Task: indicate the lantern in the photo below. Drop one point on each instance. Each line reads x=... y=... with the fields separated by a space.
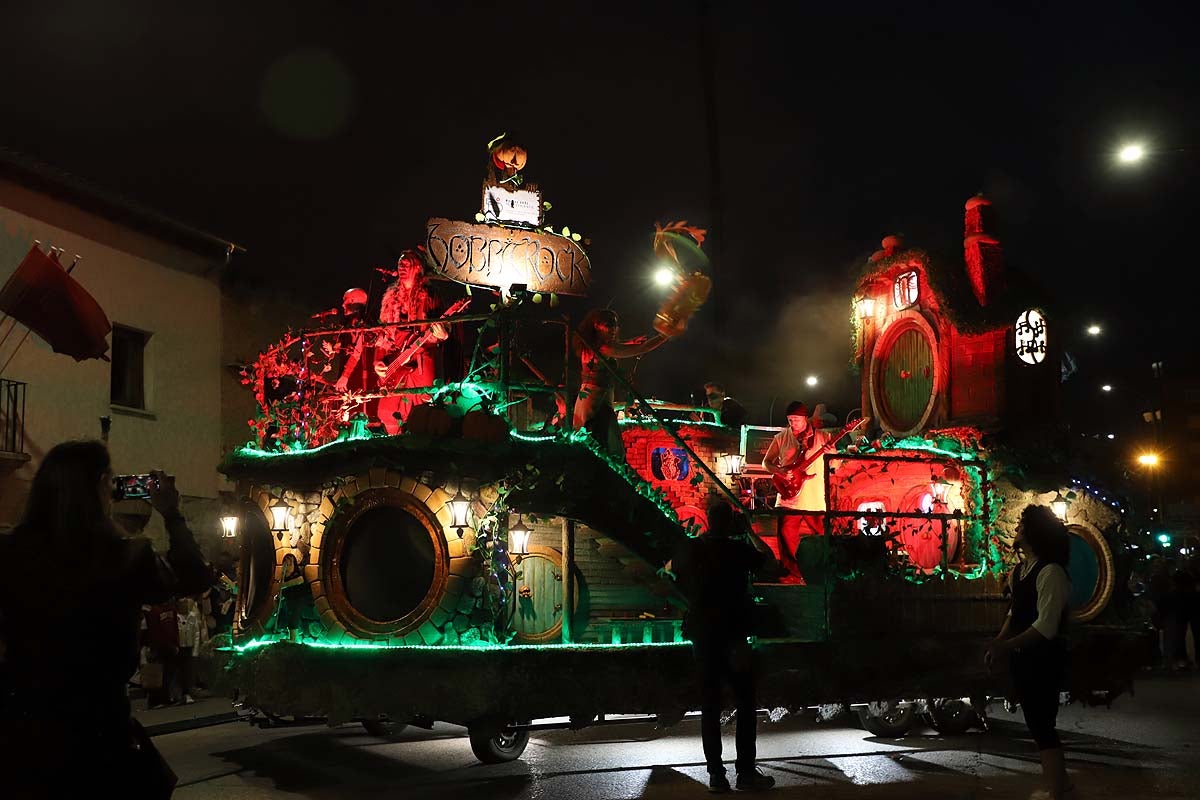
x=866 y=307
x=1059 y=506
x=731 y=463
x=281 y=514
x=518 y=538
x=937 y=489
x=229 y=526
x=460 y=508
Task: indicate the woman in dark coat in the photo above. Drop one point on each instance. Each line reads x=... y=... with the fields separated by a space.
x=1033 y=635
x=70 y=614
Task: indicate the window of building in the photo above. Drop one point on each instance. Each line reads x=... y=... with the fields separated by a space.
x=872 y=526
x=129 y=367
x=904 y=292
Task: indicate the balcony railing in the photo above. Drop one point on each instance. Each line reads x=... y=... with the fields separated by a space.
x=12 y=416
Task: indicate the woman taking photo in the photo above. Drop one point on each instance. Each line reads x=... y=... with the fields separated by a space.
x=70 y=613
x=1033 y=635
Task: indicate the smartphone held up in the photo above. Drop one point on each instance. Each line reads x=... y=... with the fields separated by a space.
x=132 y=487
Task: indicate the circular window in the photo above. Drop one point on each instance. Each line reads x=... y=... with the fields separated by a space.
x=904 y=376
x=386 y=564
x=1091 y=570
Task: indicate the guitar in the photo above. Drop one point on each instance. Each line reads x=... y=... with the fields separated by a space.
x=796 y=473
x=396 y=367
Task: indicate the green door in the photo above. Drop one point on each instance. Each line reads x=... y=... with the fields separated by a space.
x=537 y=604
x=906 y=375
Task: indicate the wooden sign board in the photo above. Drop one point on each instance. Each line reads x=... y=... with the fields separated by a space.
x=495 y=256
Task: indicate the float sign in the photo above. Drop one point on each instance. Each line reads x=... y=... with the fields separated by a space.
x=498 y=257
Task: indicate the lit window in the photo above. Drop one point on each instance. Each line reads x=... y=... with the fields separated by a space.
x=1029 y=337
x=128 y=367
x=904 y=292
x=872 y=526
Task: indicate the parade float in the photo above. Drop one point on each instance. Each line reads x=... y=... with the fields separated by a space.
x=489 y=566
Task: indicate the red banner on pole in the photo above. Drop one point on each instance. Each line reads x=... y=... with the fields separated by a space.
x=44 y=298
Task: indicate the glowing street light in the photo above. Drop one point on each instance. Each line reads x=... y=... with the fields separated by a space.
x=664 y=276
x=1094 y=330
x=1106 y=388
x=1131 y=153
x=229 y=525
x=1148 y=459
x=811 y=380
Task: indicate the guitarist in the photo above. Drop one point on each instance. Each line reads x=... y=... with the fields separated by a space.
x=800 y=440
x=405 y=300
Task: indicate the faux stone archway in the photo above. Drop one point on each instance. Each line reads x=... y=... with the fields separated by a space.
x=446 y=616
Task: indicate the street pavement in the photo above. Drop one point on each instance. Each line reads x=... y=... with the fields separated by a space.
x=1145 y=746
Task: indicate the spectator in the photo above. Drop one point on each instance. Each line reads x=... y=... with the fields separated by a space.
x=190 y=636
x=65 y=718
x=161 y=638
x=714 y=573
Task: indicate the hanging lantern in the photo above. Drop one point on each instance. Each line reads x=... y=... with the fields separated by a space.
x=229 y=526
x=937 y=489
x=281 y=514
x=518 y=538
x=460 y=508
x=866 y=307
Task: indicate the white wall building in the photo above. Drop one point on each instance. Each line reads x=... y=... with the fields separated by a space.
x=157 y=281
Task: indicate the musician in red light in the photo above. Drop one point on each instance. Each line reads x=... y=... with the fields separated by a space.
x=795 y=444
x=406 y=300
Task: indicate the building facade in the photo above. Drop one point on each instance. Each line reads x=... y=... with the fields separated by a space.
x=161 y=392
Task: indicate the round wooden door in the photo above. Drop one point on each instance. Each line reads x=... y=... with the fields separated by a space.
x=907 y=378
x=536 y=604
x=922 y=540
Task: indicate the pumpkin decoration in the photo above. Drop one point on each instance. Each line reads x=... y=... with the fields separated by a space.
x=507 y=160
x=429 y=419
x=484 y=426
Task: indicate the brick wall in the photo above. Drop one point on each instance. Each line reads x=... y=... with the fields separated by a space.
x=705 y=440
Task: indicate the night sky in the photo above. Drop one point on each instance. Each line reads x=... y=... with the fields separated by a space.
x=321 y=136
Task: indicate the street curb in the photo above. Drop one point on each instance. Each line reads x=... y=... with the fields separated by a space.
x=163 y=728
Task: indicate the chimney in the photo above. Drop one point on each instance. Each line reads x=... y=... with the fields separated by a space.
x=985 y=260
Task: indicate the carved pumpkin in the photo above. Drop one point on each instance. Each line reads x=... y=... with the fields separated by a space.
x=509 y=157
x=430 y=420
x=485 y=427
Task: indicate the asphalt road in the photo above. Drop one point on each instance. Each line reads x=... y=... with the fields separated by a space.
x=1144 y=746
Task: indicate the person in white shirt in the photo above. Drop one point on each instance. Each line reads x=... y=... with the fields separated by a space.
x=1033 y=635
x=800 y=440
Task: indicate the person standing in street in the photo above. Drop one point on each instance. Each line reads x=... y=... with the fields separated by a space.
x=714 y=572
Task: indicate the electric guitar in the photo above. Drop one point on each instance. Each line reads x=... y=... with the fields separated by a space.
x=796 y=473
x=396 y=368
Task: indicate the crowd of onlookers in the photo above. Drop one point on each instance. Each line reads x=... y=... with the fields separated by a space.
x=178 y=638
x=1175 y=603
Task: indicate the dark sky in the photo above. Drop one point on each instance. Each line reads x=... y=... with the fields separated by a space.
x=322 y=135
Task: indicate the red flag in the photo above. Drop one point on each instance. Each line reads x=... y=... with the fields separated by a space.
x=44 y=298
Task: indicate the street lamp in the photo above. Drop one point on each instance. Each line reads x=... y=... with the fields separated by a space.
x=1060 y=504
x=1106 y=387
x=1148 y=459
x=1094 y=330
x=1131 y=153
x=665 y=276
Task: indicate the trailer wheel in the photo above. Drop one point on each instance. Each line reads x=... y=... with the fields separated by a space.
x=887 y=718
x=492 y=747
x=383 y=727
x=950 y=717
